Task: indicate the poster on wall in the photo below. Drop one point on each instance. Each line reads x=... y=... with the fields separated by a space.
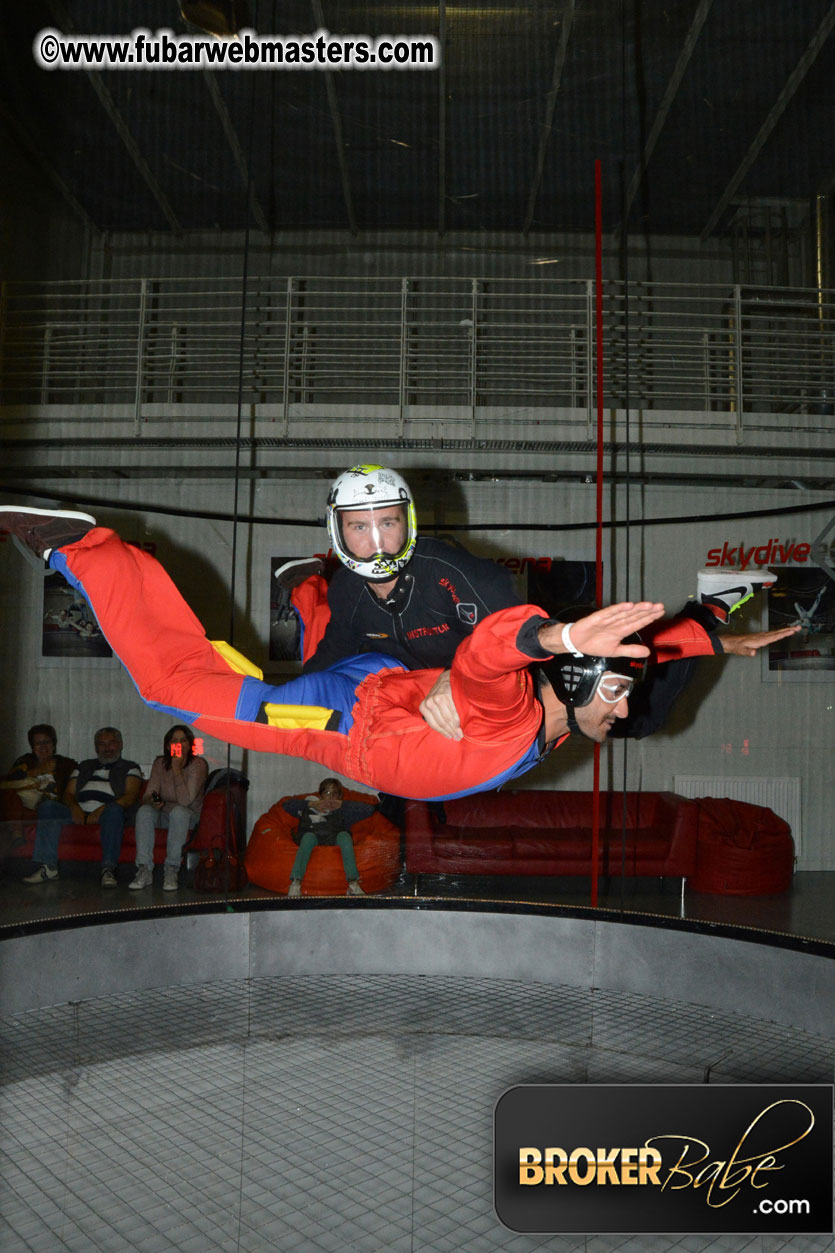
x=806 y=596
x=69 y=628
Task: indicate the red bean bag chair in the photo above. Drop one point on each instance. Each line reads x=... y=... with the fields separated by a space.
x=741 y=849
x=272 y=850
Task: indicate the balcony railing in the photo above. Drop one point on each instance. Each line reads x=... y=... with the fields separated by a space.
x=484 y=347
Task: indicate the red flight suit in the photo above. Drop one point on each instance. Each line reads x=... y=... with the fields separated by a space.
x=389 y=747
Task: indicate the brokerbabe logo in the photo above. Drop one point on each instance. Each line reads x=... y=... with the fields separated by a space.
x=687 y=1158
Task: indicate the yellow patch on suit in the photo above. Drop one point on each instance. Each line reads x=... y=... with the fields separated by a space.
x=235 y=660
x=298 y=717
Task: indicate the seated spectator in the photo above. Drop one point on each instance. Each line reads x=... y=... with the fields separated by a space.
x=103 y=789
x=173 y=799
x=38 y=775
x=326 y=819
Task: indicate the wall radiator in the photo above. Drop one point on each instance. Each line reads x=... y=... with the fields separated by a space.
x=781 y=795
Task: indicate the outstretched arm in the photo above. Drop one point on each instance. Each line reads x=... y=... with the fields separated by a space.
x=749 y=645
x=601 y=633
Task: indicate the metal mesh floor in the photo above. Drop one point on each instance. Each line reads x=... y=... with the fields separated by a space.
x=329 y=1112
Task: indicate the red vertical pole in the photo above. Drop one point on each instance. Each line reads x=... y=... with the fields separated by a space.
x=598 y=551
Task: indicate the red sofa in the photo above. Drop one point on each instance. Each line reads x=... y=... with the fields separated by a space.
x=82 y=843
x=549 y=833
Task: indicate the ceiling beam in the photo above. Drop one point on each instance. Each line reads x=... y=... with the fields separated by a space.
x=690 y=41
x=24 y=136
x=776 y=112
x=210 y=79
x=691 y=478
x=550 y=106
x=336 y=118
x=94 y=78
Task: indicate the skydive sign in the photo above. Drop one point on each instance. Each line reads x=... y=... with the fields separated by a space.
x=683 y=1158
x=773 y=552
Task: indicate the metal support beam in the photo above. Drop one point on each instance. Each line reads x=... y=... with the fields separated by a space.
x=820 y=553
x=94 y=78
x=778 y=108
x=442 y=119
x=453 y=458
x=210 y=79
x=550 y=106
x=336 y=118
x=691 y=39
x=403 y=382
x=140 y=356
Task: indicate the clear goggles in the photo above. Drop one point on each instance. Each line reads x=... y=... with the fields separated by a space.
x=612 y=688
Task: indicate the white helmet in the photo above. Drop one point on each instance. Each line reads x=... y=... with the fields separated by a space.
x=371 y=488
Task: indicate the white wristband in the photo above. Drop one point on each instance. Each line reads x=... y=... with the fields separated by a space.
x=568 y=643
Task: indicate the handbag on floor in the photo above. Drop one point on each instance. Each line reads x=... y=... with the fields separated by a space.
x=219 y=871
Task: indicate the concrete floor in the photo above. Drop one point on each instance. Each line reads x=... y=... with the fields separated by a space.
x=805 y=912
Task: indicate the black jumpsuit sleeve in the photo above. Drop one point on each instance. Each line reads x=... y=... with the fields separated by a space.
x=340 y=639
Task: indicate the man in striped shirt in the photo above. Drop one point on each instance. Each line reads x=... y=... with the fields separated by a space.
x=100 y=790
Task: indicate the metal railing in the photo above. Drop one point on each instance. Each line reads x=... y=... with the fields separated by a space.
x=416 y=344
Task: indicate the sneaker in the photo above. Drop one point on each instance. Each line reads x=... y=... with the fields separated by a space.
x=144 y=878
x=288 y=576
x=35 y=532
x=295 y=888
x=43 y=874
x=292 y=573
x=171 y=879
x=723 y=591
x=354 y=888
x=108 y=878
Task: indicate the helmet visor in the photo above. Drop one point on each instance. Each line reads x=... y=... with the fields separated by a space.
x=380 y=534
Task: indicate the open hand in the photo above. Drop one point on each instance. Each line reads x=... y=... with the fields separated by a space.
x=750 y=644
x=600 y=634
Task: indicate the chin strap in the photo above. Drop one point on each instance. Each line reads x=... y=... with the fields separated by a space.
x=574 y=726
x=542 y=677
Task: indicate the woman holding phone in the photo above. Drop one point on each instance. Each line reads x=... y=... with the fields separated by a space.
x=173 y=799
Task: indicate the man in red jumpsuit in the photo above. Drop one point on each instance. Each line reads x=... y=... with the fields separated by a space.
x=361 y=717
